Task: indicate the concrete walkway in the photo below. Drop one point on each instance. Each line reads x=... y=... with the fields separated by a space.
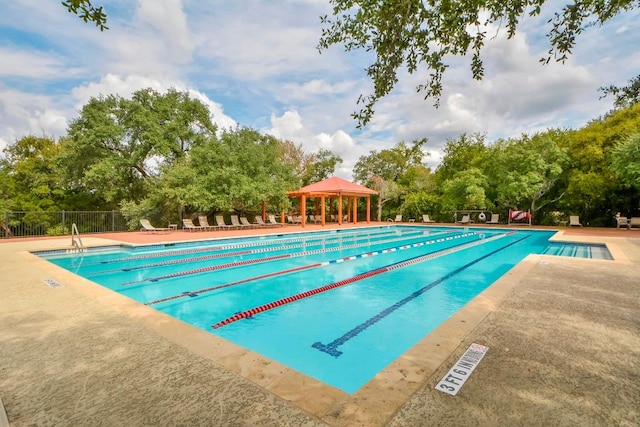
x=563 y=333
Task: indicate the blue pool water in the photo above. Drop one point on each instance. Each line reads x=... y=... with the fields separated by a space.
x=338 y=306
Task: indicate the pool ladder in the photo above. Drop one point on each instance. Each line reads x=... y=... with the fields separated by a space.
x=76 y=242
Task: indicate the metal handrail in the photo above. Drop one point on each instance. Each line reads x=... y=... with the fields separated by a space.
x=76 y=242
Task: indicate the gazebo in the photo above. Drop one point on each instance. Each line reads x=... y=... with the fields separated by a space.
x=334 y=188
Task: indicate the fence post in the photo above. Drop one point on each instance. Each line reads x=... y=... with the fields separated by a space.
x=113 y=221
x=63 y=219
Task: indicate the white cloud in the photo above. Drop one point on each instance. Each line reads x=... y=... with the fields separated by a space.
x=289 y=127
x=22 y=114
x=169 y=21
x=33 y=64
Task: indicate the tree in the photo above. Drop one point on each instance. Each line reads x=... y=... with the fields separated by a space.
x=239 y=171
x=87 y=12
x=319 y=166
x=385 y=171
x=625 y=96
x=30 y=168
x=117 y=145
x=411 y=33
x=524 y=170
x=466 y=190
x=468 y=151
x=625 y=161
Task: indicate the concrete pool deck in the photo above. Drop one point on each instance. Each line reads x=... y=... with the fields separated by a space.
x=563 y=337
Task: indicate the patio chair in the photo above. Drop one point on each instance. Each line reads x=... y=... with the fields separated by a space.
x=235 y=221
x=294 y=219
x=187 y=224
x=425 y=218
x=245 y=223
x=204 y=222
x=398 y=219
x=466 y=219
x=634 y=222
x=574 y=221
x=622 y=222
x=272 y=220
x=221 y=224
x=146 y=226
x=494 y=219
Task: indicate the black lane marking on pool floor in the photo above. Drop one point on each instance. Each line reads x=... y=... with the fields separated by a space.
x=332 y=347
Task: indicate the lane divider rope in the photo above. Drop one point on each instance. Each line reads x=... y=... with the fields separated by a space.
x=305 y=267
x=325 y=288
x=255 y=261
x=246 y=245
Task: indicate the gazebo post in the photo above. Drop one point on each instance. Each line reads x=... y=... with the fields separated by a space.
x=264 y=210
x=303 y=210
x=368 y=209
x=323 y=213
x=340 y=209
x=355 y=209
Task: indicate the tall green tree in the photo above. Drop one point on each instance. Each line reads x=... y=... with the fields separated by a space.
x=466 y=190
x=117 y=146
x=592 y=189
x=410 y=34
x=625 y=161
x=523 y=171
x=319 y=166
x=237 y=172
x=465 y=152
x=385 y=171
x=30 y=175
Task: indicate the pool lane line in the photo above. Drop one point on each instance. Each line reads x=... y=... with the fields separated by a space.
x=226 y=255
x=302 y=268
x=350 y=280
x=246 y=245
x=332 y=347
x=255 y=261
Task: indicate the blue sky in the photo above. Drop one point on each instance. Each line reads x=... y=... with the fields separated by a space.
x=255 y=64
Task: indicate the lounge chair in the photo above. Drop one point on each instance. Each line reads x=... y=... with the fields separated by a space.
x=272 y=220
x=261 y=223
x=465 y=220
x=146 y=226
x=574 y=221
x=398 y=219
x=235 y=221
x=204 y=222
x=221 y=224
x=425 y=218
x=245 y=223
x=294 y=219
x=494 y=219
x=634 y=222
x=188 y=225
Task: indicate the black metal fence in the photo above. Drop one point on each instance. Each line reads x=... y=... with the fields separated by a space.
x=58 y=223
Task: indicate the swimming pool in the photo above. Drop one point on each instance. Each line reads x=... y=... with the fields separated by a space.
x=338 y=306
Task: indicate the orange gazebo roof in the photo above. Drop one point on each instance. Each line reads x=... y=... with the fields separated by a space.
x=333 y=186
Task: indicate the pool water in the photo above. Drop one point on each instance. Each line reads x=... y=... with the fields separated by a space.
x=338 y=306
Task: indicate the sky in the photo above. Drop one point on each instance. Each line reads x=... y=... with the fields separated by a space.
x=255 y=63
